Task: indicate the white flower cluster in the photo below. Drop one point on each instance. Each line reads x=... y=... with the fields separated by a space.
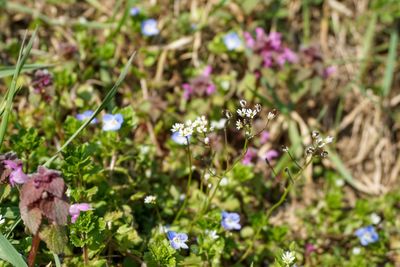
x=246 y=114
x=199 y=125
x=288 y=257
x=150 y=199
x=318 y=145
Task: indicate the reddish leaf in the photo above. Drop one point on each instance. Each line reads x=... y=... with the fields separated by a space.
x=56 y=187
x=32 y=218
x=30 y=193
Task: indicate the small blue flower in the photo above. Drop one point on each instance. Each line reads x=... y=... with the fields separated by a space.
x=85 y=116
x=149 y=27
x=232 y=41
x=112 y=122
x=134 y=11
x=230 y=221
x=177 y=240
x=180 y=140
x=367 y=235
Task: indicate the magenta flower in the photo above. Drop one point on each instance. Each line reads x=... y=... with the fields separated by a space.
x=270 y=48
x=271 y=154
x=329 y=71
x=75 y=210
x=264 y=137
x=249 y=156
x=17 y=176
x=200 y=86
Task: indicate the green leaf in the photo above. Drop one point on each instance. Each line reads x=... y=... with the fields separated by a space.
x=6 y=71
x=390 y=63
x=55 y=238
x=10 y=254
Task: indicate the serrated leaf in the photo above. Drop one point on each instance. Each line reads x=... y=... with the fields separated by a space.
x=55 y=238
x=32 y=218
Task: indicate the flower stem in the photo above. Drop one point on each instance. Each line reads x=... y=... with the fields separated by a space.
x=189 y=153
x=34 y=249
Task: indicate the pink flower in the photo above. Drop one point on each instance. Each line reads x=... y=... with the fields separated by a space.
x=275 y=41
x=75 y=210
x=200 y=85
x=271 y=154
x=329 y=71
x=249 y=40
x=17 y=176
x=264 y=137
x=248 y=157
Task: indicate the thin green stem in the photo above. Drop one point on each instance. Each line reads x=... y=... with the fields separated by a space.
x=189 y=153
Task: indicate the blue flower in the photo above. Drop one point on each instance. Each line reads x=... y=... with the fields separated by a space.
x=134 y=11
x=232 y=41
x=112 y=122
x=230 y=221
x=85 y=116
x=180 y=140
x=177 y=240
x=149 y=27
x=367 y=235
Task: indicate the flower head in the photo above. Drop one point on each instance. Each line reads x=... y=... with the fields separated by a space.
x=232 y=41
x=149 y=27
x=177 y=240
x=329 y=71
x=17 y=176
x=212 y=234
x=112 y=122
x=200 y=85
x=288 y=257
x=230 y=221
x=271 y=154
x=75 y=210
x=150 y=199
x=367 y=235
x=134 y=11
x=249 y=156
x=85 y=116
x=2 y=220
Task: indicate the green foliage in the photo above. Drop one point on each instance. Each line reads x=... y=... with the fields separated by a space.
x=160 y=253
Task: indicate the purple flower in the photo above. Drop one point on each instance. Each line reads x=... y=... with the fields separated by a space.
x=134 y=11
x=248 y=157
x=17 y=176
x=177 y=240
x=112 y=122
x=329 y=71
x=85 y=116
x=271 y=154
x=367 y=235
x=275 y=40
x=264 y=137
x=232 y=41
x=230 y=221
x=201 y=85
x=75 y=210
x=149 y=27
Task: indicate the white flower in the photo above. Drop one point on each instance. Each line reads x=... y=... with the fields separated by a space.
x=224 y=181
x=239 y=124
x=328 y=139
x=177 y=127
x=150 y=199
x=375 y=218
x=243 y=103
x=339 y=182
x=211 y=234
x=356 y=250
x=218 y=124
x=2 y=220
x=206 y=140
x=271 y=115
x=288 y=257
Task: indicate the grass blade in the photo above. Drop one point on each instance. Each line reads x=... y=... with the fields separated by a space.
x=10 y=254
x=22 y=57
x=6 y=71
x=57 y=260
x=390 y=63
x=103 y=104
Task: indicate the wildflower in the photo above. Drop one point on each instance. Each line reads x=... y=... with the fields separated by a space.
x=200 y=126
x=112 y=122
x=177 y=240
x=85 y=116
x=285 y=149
x=232 y=41
x=206 y=140
x=329 y=71
x=134 y=11
x=16 y=176
x=150 y=199
x=375 y=218
x=339 y=182
x=149 y=27
x=180 y=140
x=75 y=210
x=272 y=114
x=219 y=124
x=41 y=80
x=228 y=114
x=201 y=85
x=230 y=221
x=271 y=154
x=265 y=135
x=224 y=181
x=367 y=235
x=212 y=234
x=288 y=257
x=356 y=250
x=2 y=220
x=243 y=103
x=248 y=157
x=309 y=248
